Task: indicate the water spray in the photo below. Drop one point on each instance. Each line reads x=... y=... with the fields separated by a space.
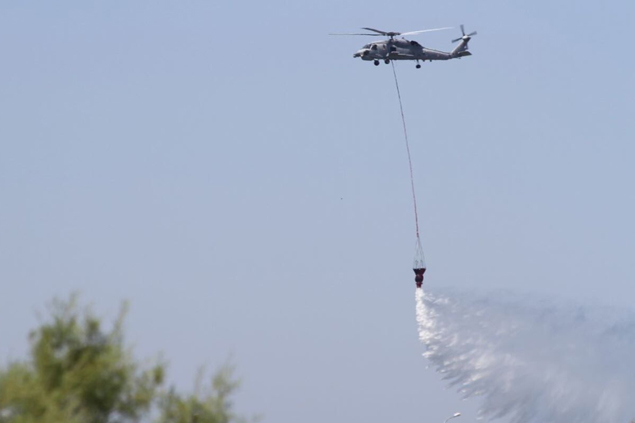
x=532 y=360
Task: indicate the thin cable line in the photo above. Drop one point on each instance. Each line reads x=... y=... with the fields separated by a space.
x=405 y=133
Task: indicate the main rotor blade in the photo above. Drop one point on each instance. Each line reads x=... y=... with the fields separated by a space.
x=462 y=30
x=472 y=34
x=458 y=39
x=370 y=35
x=425 y=30
x=377 y=31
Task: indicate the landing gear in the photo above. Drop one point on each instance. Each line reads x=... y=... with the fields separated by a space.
x=418 y=65
x=376 y=62
x=386 y=61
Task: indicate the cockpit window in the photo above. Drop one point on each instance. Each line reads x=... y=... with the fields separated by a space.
x=366 y=46
x=374 y=47
x=414 y=43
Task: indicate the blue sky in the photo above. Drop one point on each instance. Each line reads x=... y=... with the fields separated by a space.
x=231 y=170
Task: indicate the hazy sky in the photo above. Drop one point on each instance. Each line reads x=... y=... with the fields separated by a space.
x=231 y=170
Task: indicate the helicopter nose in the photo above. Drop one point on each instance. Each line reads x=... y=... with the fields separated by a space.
x=358 y=54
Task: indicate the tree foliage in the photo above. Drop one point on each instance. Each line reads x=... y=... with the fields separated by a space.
x=207 y=405
x=78 y=372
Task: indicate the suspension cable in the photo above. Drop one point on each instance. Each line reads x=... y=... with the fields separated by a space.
x=405 y=133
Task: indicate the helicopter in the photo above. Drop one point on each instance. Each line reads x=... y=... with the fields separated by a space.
x=402 y=49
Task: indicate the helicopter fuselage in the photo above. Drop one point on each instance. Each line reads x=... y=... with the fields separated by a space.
x=402 y=49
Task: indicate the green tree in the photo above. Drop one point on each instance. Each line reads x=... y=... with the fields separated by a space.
x=208 y=404
x=77 y=372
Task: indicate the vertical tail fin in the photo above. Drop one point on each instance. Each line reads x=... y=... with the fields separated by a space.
x=461 y=49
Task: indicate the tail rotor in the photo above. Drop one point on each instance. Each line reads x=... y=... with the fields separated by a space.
x=465 y=37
